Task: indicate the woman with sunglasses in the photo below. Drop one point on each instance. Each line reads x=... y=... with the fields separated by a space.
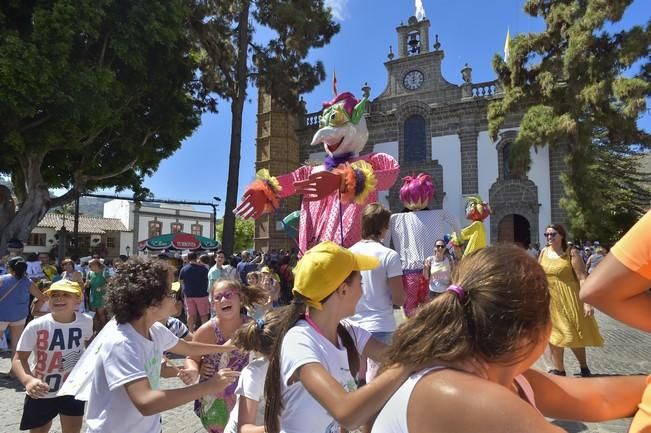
x=437 y=269
x=229 y=298
x=573 y=322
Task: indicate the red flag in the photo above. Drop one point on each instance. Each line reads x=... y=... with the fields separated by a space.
x=334 y=82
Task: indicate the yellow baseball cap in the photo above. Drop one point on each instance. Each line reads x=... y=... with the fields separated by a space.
x=64 y=286
x=176 y=286
x=324 y=268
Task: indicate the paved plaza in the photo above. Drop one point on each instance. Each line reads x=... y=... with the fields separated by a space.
x=626 y=352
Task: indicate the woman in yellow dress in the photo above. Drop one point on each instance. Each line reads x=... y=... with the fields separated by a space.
x=573 y=322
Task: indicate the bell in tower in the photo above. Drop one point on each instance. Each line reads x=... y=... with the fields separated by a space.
x=414 y=43
x=413 y=38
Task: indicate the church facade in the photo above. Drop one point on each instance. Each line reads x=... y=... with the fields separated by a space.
x=429 y=125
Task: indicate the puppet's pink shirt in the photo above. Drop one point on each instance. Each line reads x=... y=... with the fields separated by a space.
x=321 y=220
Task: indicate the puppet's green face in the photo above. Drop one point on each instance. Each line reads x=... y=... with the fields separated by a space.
x=334 y=116
x=340 y=131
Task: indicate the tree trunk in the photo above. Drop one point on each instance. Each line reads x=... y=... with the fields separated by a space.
x=237 y=108
x=31 y=211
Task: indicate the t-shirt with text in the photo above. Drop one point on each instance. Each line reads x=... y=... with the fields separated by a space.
x=56 y=347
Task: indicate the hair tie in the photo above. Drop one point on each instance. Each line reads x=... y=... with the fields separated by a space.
x=458 y=290
x=259 y=324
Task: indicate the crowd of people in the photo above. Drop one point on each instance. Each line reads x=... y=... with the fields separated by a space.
x=272 y=344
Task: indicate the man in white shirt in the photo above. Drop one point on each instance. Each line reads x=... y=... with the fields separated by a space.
x=382 y=287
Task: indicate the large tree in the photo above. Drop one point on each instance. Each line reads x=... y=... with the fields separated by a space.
x=584 y=88
x=93 y=94
x=232 y=59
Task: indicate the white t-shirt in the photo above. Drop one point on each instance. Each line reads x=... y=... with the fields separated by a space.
x=439 y=274
x=56 y=347
x=304 y=345
x=251 y=386
x=374 y=310
x=125 y=356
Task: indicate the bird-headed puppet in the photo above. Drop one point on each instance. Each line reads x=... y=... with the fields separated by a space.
x=334 y=193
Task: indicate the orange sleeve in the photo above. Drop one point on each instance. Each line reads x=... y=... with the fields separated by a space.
x=634 y=249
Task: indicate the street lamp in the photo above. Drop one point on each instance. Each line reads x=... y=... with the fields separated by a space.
x=214 y=217
x=128 y=248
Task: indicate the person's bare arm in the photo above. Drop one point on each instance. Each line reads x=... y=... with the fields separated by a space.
x=37 y=293
x=150 y=402
x=374 y=349
x=398 y=295
x=192 y=364
x=351 y=409
x=196 y=348
x=581 y=275
x=247 y=411
x=594 y=400
x=35 y=387
x=619 y=292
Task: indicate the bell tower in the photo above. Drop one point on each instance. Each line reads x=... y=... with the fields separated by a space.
x=277 y=151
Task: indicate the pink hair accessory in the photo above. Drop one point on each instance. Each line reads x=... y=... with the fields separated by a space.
x=458 y=290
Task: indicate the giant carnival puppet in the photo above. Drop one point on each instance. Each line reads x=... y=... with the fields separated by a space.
x=477 y=211
x=413 y=234
x=335 y=192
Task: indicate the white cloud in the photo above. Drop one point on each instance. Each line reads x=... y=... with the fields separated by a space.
x=339 y=9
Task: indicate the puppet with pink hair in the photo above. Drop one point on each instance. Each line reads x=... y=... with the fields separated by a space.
x=334 y=193
x=413 y=235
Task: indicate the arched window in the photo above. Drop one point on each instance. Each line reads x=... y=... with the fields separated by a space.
x=506 y=155
x=415 y=138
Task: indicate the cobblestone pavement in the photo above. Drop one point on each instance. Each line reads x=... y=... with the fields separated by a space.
x=626 y=352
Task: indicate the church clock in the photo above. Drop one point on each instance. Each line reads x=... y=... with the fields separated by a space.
x=413 y=80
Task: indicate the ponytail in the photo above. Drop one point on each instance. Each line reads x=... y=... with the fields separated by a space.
x=272 y=387
x=351 y=349
x=19 y=268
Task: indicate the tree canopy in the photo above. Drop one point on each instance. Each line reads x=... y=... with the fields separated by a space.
x=244 y=231
x=584 y=88
x=93 y=93
x=232 y=58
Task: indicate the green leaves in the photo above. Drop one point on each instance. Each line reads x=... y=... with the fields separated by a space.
x=583 y=88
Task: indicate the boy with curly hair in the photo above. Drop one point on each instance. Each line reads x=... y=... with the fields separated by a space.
x=125 y=394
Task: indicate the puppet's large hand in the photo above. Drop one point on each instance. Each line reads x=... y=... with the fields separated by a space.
x=318 y=186
x=252 y=205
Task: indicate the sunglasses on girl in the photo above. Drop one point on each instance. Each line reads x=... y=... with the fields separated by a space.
x=224 y=295
x=550 y=234
x=440 y=246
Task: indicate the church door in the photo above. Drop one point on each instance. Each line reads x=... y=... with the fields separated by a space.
x=514 y=228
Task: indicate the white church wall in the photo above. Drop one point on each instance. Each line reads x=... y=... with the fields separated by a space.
x=447 y=150
x=539 y=173
x=488 y=170
x=390 y=148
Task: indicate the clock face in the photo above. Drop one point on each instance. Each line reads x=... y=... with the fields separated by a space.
x=413 y=80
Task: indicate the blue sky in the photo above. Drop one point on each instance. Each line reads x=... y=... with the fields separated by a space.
x=469 y=31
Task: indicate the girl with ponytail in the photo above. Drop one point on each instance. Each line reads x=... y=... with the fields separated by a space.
x=493 y=323
x=310 y=385
x=256 y=336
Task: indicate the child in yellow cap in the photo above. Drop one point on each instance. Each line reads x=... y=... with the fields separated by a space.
x=309 y=385
x=57 y=341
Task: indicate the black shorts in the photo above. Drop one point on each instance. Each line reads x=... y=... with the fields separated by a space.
x=39 y=411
